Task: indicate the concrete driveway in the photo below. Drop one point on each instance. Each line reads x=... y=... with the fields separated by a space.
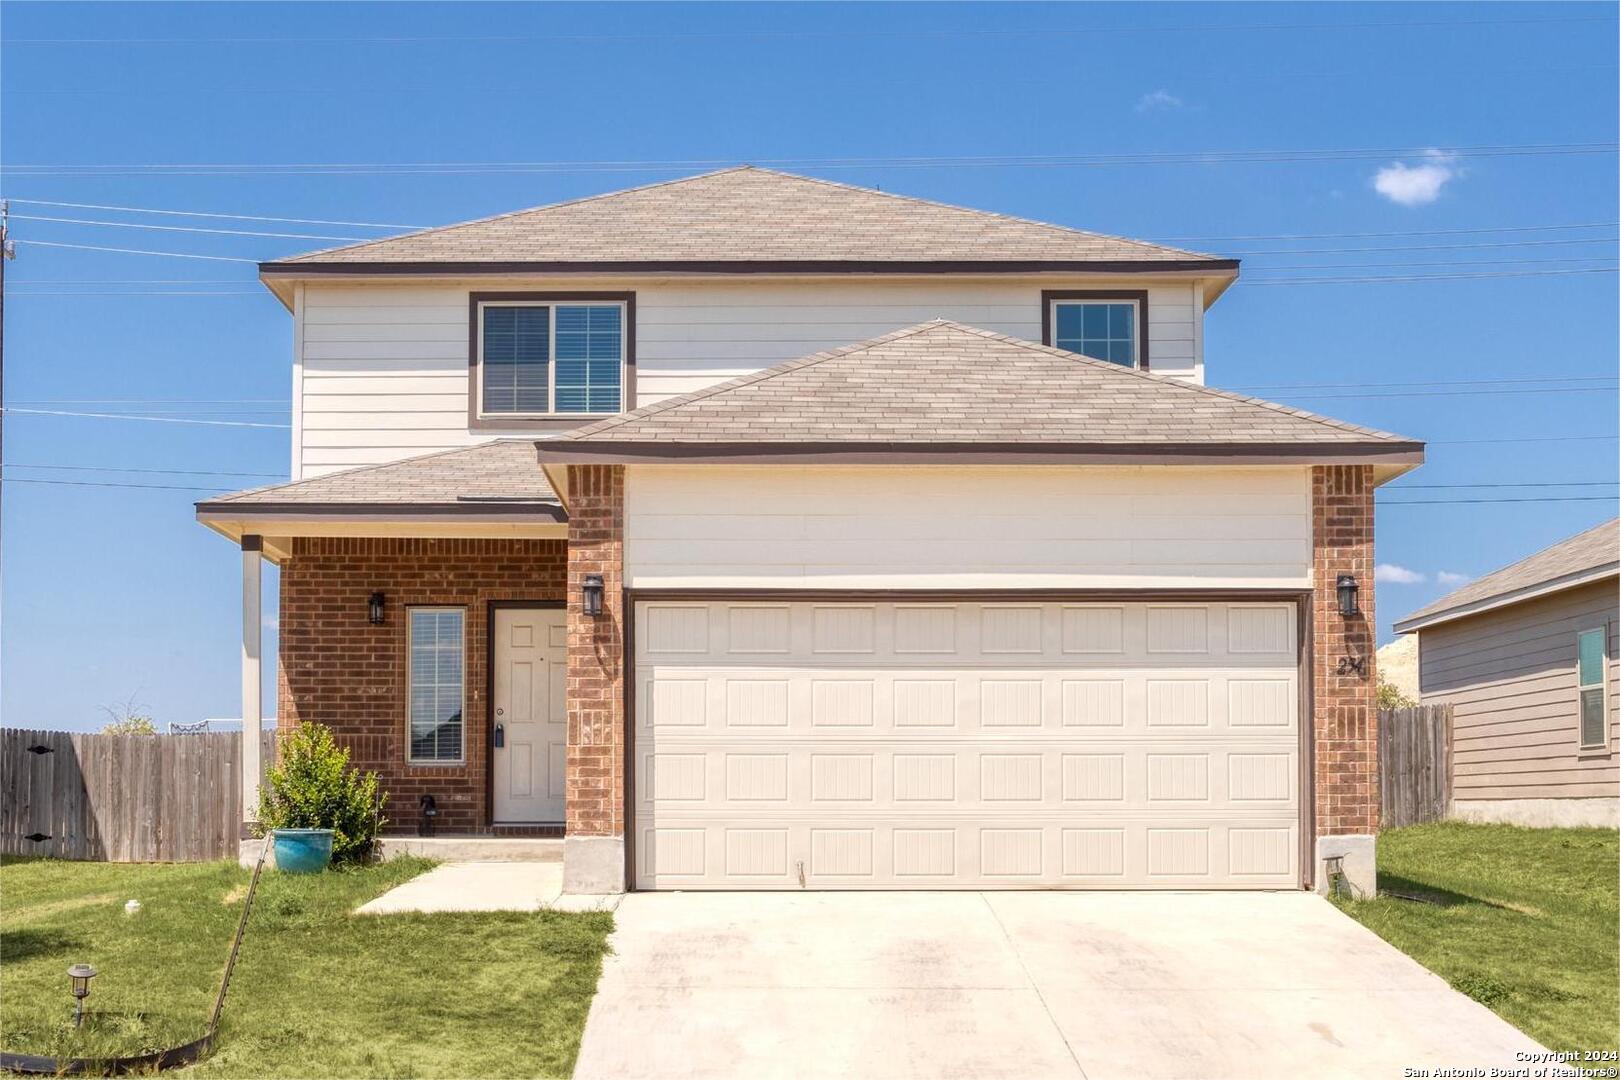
x=1033 y=984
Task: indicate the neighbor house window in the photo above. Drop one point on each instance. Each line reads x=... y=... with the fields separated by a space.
x=1104 y=325
x=1592 y=675
x=539 y=358
x=437 y=684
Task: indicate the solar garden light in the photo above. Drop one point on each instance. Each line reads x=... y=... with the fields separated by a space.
x=80 y=975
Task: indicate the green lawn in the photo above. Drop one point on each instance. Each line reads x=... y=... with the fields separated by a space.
x=1525 y=921
x=318 y=992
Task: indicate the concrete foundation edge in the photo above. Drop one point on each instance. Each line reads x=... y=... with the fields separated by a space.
x=1599 y=813
x=1360 y=855
x=593 y=864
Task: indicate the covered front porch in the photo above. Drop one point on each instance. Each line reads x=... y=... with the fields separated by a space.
x=426 y=618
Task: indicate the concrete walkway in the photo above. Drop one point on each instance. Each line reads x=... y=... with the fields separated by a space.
x=1028 y=985
x=486 y=886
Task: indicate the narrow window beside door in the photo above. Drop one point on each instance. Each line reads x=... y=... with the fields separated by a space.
x=437 y=685
x=1592 y=676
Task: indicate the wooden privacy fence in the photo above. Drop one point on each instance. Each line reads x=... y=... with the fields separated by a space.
x=1414 y=764
x=122 y=798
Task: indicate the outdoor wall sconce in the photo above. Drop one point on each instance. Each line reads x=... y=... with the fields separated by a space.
x=374 y=609
x=80 y=975
x=430 y=810
x=592 y=590
x=1347 y=595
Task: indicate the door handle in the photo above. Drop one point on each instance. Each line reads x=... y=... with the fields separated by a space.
x=500 y=735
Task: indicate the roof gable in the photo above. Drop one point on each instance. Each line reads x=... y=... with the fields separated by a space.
x=945 y=385
x=1563 y=565
x=748 y=215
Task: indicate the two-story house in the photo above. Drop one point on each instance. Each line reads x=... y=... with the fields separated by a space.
x=757 y=531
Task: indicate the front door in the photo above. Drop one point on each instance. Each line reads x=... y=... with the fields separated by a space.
x=531 y=726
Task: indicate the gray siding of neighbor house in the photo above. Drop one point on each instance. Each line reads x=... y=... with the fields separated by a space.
x=1509 y=676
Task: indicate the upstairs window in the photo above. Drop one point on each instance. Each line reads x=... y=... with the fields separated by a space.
x=1592 y=675
x=1102 y=325
x=538 y=358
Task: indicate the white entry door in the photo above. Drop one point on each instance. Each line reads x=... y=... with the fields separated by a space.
x=841 y=745
x=531 y=725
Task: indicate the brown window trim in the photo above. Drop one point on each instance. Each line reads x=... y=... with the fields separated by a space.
x=627 y=392
x=1138 y=295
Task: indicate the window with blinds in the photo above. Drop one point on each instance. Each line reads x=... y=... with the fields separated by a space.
x=551 y=359
x=437 y=682
x=1592 y=674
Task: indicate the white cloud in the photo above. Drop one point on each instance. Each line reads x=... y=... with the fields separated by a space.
x=1416 y=185
x=1448 y=577
x=1396 y=575
x=1159 y=99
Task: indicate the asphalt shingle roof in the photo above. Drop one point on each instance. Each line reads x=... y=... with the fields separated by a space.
x=493 y=477
x=945 y=383
x=1591 y=550
x=748 y=214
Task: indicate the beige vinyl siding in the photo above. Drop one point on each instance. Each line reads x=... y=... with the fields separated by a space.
x=1509 y=676
x=967 y=527
x=383 y=368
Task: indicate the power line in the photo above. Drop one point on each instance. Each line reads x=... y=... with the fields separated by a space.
x=1528 y=439
x=1419 y=277
x=135 y=251
x=1532 y=484
x=1527 y=499
x=261 y=217
x=124 y=416
x=104 y=484
x=1471 y=393
x=1384 y=249
x=1204 y=157
x=130 y=469
x=181 y=228
x=1355 y=235
x=811 y=34
x=1434 y=382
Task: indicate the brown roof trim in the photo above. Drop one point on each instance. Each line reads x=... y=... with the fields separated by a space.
x=472 y=508
x=761 y=266
x=879 y=453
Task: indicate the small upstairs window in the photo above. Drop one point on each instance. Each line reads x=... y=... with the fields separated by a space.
x=538 y=358
x=1591 y=674
x=1102 y=325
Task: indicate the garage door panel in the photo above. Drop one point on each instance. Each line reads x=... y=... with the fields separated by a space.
x=1098 y=778
x=1007 y=702
x=1013 y=852
x=892 y=745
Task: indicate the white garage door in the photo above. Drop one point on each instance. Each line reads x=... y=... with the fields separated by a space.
x=965 y=745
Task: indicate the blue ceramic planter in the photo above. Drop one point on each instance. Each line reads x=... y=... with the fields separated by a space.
x=302 y=851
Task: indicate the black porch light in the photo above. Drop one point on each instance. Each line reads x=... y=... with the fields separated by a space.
x=374 y=609
x=1347 y=595
x=79 y=975
x=592 y=595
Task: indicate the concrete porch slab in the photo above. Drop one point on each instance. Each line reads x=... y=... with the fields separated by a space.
x=528 y=849
x=485 y=886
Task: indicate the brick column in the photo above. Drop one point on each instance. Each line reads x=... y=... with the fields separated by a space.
x=1345 y=701
x=593 y=851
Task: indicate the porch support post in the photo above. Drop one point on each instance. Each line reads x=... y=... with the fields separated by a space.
x=593 y=845
x=1344 y=684
x=252 y=665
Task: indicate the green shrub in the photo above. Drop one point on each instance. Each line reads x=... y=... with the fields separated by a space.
x=312 y=787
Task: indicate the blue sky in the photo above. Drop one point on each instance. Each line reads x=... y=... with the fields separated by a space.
x=114 y=592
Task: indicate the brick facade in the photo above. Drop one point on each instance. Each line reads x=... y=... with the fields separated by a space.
x=595 y=783
x=338 y=669
x=1346 y=706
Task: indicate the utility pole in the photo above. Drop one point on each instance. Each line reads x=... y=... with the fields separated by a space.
x=8 y=251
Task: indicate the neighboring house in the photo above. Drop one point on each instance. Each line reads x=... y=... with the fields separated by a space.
x=757 y=531
x=1526 y=658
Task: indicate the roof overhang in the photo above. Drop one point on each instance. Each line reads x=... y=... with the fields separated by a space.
x=280 y=276
x=1403 y=455
x=280 y=523
x=1514 y=596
